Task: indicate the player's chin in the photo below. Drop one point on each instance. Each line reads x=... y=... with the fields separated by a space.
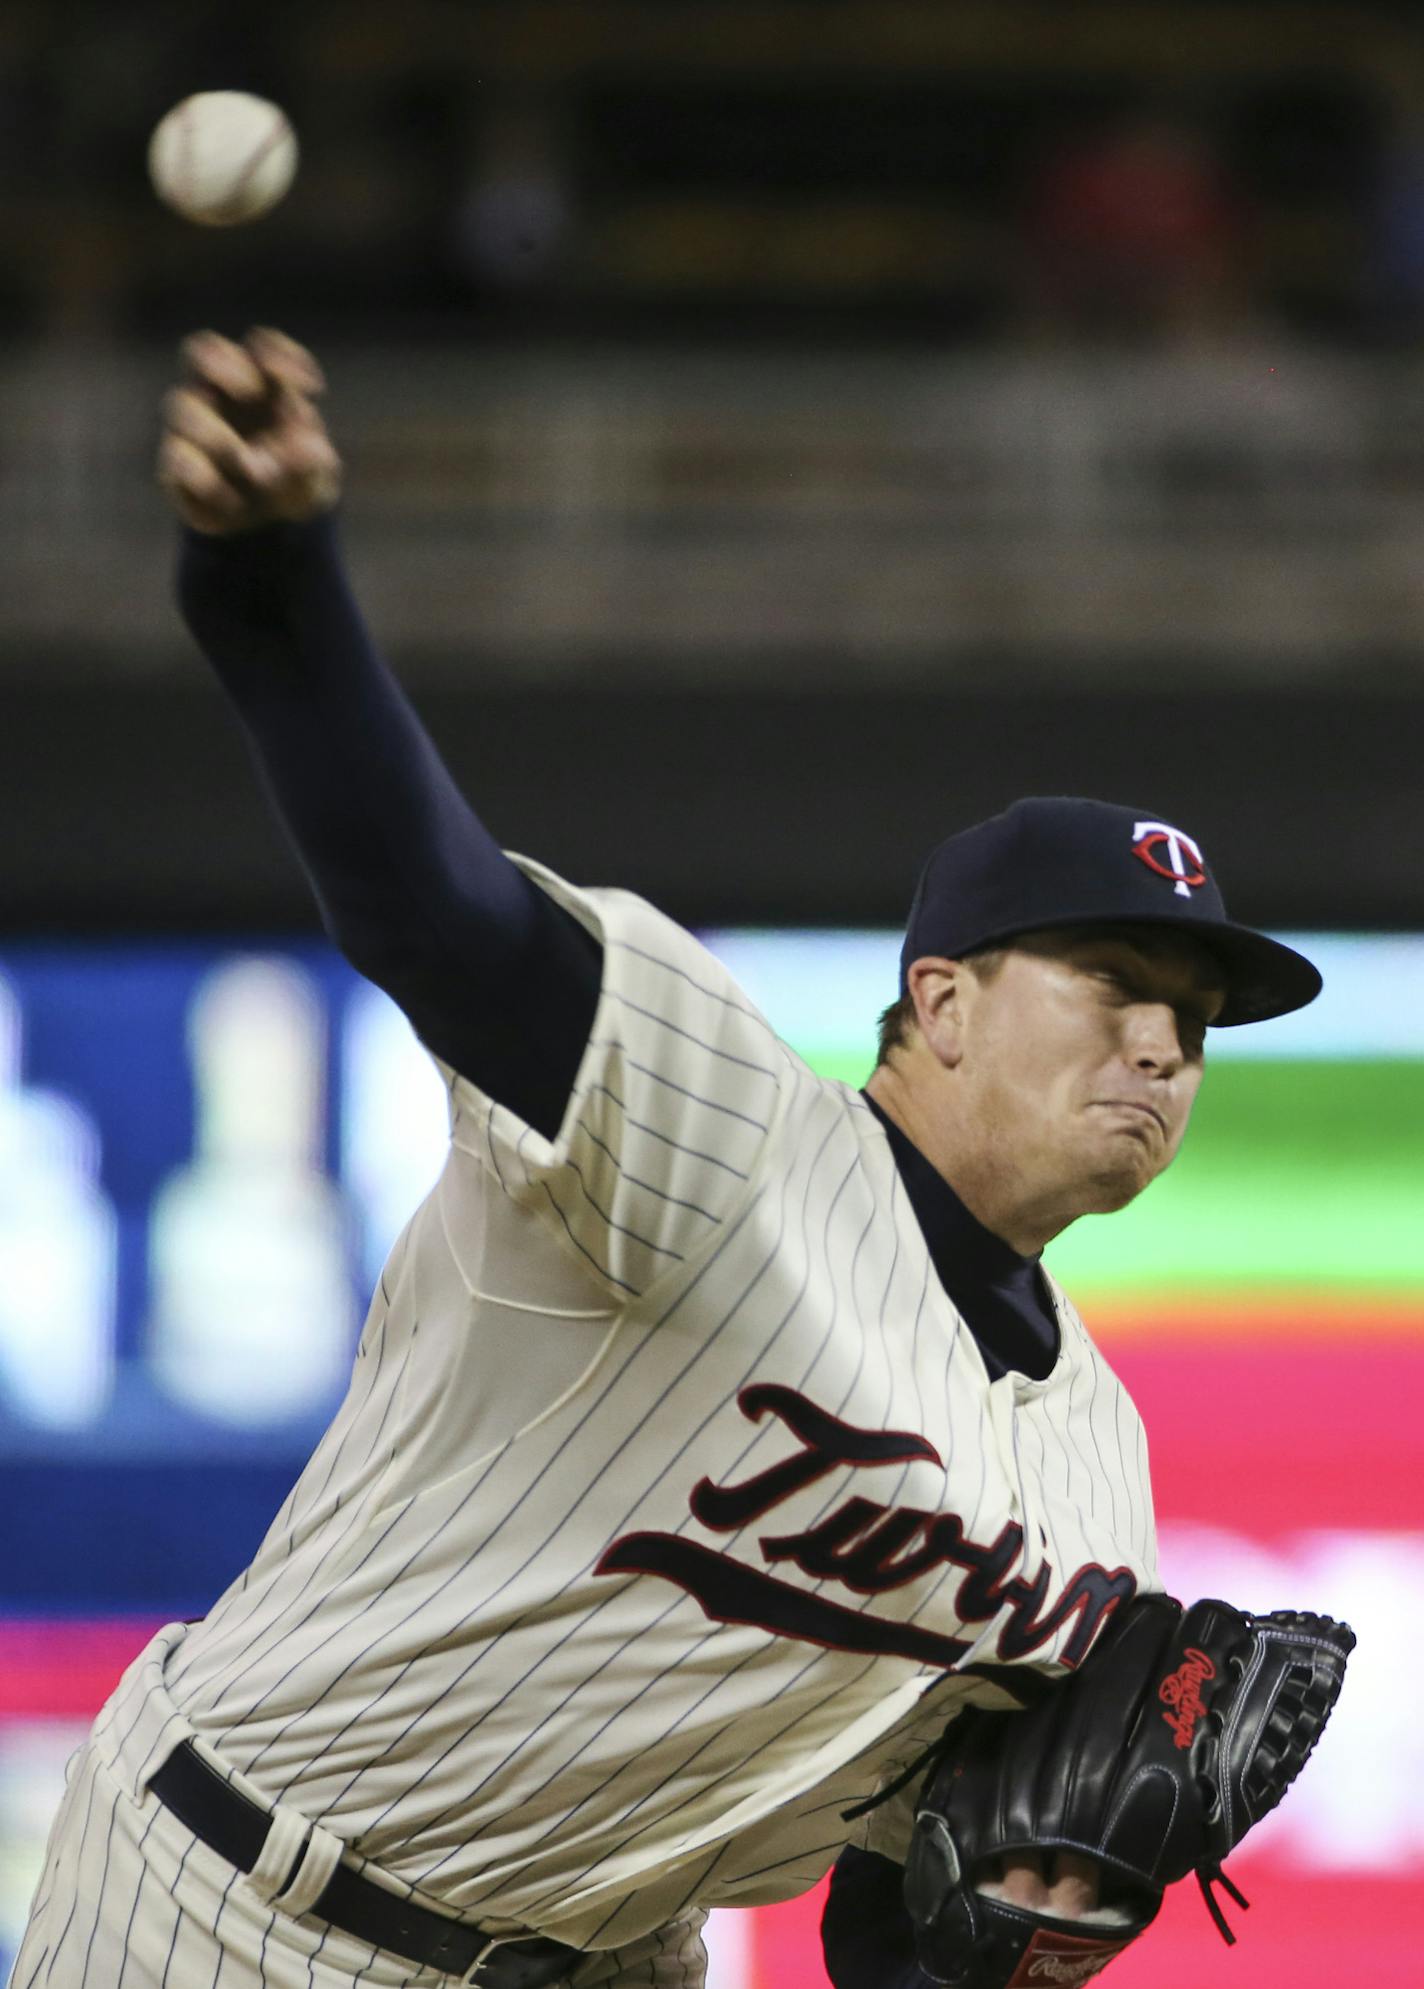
x=1120 y=1176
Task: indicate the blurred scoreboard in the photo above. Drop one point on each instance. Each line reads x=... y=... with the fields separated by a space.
x=206 y=1151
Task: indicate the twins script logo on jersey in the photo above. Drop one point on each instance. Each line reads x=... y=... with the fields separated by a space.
x=1184 y=862
x=865 y=1547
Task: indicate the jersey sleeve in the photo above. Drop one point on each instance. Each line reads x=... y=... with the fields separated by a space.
x=671 y=1107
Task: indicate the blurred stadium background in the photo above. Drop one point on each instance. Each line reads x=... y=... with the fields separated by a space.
x=780 y=431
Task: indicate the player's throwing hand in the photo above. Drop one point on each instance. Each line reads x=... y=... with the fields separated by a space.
x=243 y=444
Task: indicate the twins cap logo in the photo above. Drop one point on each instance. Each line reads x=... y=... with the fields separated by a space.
x=1184 y=862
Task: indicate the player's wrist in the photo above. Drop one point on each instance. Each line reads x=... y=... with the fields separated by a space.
x=273 y=538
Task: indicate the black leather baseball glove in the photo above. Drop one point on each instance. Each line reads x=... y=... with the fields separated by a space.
x=1178 y=1732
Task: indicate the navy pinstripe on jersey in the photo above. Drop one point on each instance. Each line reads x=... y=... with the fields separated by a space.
x=510 y=1637
x=442 y=1649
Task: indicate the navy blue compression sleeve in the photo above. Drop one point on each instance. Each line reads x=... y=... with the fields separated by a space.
x=497 y=980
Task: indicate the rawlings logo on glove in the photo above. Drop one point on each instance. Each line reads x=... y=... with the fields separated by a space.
x=1153 y=1759
x=1062 y=1958
x=1182 y=1692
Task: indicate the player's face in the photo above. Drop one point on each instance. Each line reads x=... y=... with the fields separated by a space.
x=1084 y=1050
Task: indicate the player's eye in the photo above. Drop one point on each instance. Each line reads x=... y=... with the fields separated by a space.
x=1191 y=1031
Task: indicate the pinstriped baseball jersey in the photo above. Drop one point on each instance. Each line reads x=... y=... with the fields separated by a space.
x=669 y=1484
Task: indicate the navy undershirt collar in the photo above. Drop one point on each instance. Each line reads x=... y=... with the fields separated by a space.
x=1002 y=1296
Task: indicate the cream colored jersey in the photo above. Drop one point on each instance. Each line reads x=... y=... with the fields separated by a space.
x=670 y=1497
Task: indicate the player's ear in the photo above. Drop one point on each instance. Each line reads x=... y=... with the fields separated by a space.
x=937 y=988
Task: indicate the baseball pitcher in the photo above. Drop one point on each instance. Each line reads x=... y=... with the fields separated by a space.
x=723 y=1484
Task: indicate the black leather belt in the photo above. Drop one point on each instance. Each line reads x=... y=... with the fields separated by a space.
x=236 y=1829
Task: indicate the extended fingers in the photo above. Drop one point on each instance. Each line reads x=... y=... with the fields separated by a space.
x=224 y=367
x=203 y=494
x=282 y=360
x=1074 y=1888
x=1062 y=1883
x=1021 y=1882
x=246 y=372
x=243 y=443
x=309 y=452
x=189 y=414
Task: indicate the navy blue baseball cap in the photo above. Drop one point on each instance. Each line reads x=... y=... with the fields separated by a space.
x=1054 y=861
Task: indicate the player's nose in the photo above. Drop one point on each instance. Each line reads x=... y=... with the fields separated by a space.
x=1155 y=1038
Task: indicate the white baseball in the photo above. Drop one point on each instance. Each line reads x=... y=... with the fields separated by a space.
x=222 y=157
